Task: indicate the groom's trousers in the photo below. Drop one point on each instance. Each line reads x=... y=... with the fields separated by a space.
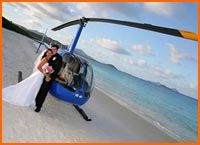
x=40 y=98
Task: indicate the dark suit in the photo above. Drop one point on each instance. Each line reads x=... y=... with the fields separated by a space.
x=56 y=62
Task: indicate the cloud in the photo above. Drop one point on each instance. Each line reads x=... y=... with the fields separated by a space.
x=161 y=72
x=142 y=49
x=176 y=55
x=157 y=71
x=19 y=5
x=64 y=12
x=62 y=38
x=138 y=62
x=160 y=8
x=152 y=70
x=106 y=9
x=57 y=11
x=111 y=45
x=127 y=9
x=192 y=86
x=141 y=62
x=86 y=9
x=165 y=76
x=33 y=23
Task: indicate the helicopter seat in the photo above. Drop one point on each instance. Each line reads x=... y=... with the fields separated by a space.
x=67 y=75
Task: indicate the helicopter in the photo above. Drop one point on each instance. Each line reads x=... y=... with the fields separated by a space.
x=75 y=81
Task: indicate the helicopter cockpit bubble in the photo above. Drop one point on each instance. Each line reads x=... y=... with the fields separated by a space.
x=76 y=74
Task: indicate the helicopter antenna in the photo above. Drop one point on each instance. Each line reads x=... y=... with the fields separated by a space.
x=41 y=42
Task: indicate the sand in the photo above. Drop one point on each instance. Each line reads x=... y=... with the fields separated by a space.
x=58 y=121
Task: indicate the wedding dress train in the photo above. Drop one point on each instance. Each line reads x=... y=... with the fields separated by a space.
x=24 y=93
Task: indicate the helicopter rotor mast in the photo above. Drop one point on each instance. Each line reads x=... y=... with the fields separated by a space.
x=169 y=31
x=82 y=23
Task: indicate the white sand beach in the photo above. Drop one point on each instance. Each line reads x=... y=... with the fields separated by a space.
x=58 y=121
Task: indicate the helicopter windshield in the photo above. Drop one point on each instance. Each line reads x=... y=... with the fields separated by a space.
x=76 y=73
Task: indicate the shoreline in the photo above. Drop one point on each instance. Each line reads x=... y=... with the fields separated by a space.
x=142 y=115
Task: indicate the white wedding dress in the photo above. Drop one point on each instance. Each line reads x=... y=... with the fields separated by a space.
x=24 y=92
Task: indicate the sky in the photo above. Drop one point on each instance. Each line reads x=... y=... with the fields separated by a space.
x=152 y=56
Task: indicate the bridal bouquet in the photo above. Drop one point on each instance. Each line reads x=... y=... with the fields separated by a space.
x=47 y=70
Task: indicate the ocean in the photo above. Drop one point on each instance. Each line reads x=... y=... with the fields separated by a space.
x=169 y=110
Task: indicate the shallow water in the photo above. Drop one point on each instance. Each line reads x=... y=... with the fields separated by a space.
x=169 y=110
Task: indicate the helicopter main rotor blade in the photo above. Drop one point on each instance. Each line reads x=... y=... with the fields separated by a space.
x=164 y=30
x=71 y=23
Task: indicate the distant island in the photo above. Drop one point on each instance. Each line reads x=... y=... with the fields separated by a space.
x=172 y=89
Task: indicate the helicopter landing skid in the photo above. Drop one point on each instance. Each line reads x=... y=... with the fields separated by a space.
x=82 y=113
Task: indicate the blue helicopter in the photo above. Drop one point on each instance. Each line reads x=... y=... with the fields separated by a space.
x=75 y=81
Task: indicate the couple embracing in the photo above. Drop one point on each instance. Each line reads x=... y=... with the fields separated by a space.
x=33 y=90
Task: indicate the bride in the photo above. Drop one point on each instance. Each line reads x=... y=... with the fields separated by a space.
x=24 y=92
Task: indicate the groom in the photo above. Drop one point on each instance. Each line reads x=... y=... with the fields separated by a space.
x=55 y=62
